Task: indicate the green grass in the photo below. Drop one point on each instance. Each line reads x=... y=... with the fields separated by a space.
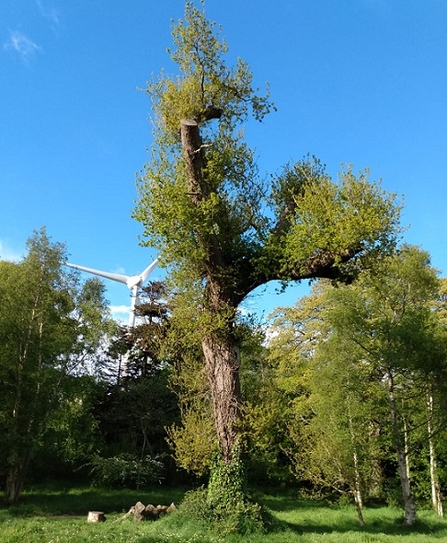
x=59 y=516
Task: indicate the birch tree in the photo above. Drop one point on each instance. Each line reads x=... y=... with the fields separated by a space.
x=388 y=315
x=333 y=402
x=44 y=336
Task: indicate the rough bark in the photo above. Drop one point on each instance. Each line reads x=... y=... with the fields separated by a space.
x=15 y=477
x=194 y=159
x=220 y=348
x=193 y=153
x=222 y=364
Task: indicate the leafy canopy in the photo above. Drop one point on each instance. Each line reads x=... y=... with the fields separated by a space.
x=227 y=227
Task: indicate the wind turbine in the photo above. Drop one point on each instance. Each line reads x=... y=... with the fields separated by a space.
x=133 y=282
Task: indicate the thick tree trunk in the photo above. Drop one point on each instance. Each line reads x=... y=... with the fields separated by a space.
x=220 y=348
x=402 y=458
x=222 y=364
x=15 y=478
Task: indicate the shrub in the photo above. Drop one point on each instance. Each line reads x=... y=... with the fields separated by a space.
x=125 y=470
x=225 y=505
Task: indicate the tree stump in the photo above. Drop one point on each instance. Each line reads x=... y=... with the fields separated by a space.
x=96 y=516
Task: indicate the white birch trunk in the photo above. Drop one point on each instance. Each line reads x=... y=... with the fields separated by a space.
x=436 y=497
x=358 y=499
x=402 y=458
x=406 y=451
x=357 y=491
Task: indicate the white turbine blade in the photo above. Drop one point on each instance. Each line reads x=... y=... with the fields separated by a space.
x=132 y=282
x=107 y=275
x=148 y=271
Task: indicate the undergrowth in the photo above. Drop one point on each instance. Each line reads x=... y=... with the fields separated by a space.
x=60 y=516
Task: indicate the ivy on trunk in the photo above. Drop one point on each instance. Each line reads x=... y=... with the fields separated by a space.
x=220 y=229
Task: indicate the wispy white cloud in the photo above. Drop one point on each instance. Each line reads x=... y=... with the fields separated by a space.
x=120 y=313
x=49 y=12
x=20 y=43
x=6 y=253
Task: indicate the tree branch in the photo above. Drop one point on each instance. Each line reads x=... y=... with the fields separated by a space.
x=193 y=151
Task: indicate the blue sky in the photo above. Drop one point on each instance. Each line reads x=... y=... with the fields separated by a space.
x=361 y=82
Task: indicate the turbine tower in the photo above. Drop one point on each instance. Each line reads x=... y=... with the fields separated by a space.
x=133 y=282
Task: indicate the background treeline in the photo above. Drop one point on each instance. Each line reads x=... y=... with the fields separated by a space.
x=344 y=393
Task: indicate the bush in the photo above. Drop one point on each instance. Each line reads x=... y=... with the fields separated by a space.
x=225 y=505
x=125 y=470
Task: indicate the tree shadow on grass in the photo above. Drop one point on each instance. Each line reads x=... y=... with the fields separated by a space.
x=77 y=502
x=396 y=528
x=319 y=517
x=290 y=503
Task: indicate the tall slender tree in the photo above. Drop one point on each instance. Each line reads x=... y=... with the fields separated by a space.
x=331 y=400
x=389 y=316
x=219 y=228
x=44 y=336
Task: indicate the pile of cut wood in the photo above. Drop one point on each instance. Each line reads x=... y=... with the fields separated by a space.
x=145 y=512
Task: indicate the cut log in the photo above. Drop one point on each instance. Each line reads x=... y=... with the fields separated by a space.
x=142 y=512
x=151 y=511
x=139 y=509
x=171 y=508
x=96 y=516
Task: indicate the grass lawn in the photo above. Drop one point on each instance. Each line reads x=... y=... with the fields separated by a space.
x=60 y=516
